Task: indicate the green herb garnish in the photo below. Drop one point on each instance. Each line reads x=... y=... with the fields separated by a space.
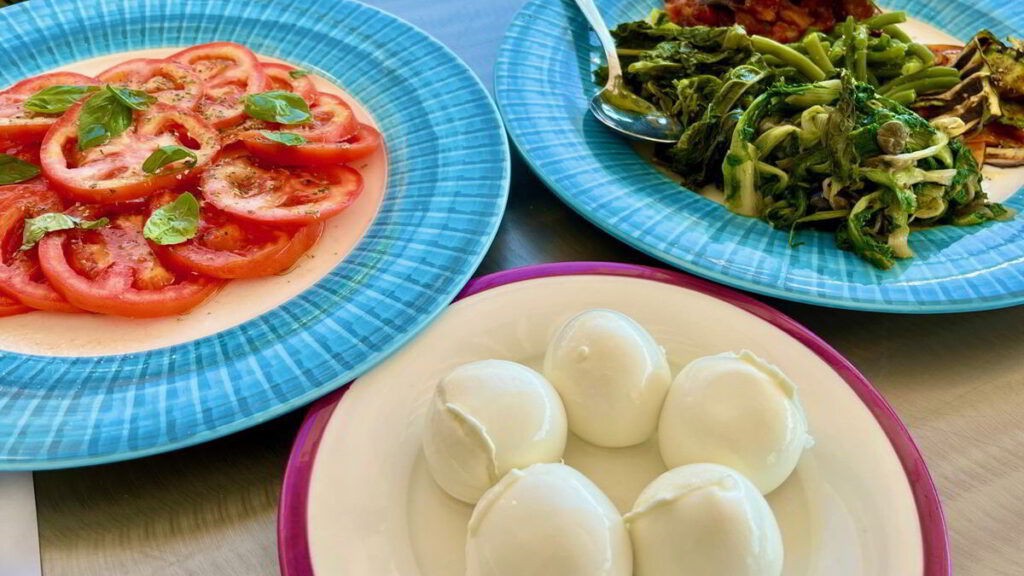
x=286 y=138
x=57 y=99
x=174 y=223
x=278 y=106
x=14 y=170
x=36 y=228
x=166 y=155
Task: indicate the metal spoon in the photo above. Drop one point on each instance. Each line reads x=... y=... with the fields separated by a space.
x=615 y=105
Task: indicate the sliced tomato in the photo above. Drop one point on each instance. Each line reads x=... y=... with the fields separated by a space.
x=230 y=71
x=229 y=247
x=20 y=125
x=29 y=152
x=172 y=83
x=365 y=142
x=113 y=270
x=279 y=78
x=113 y=172
x=240 y=185
x=21 y=278
x=11 y=307
x=333 y=121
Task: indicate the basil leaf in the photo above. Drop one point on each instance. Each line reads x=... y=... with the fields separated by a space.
x=56 y=99
x=134 y=99
x=36 y=228
x=14 y=170
x=168 y=155
x=298 y=73
x=174 y=223
x=104 y=116
x=278 y=106
x=286 y=138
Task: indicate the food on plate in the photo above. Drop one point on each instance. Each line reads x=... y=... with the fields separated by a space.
x=612 y=377
x=736 y=410
x=135 y=193
x=547 y=520
x=704 y=520
x=30 y=107
x=989 y=98
x=486 y=418
x=782 y=20
x=815 y=133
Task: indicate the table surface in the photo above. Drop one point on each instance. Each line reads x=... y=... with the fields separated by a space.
x=955 y=380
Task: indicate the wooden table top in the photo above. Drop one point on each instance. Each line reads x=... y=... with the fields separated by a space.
x=955 y=380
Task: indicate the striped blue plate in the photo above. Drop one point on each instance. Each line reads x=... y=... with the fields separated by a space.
x=447 y=185
x=543 y=81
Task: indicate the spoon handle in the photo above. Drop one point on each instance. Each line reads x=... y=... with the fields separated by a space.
x=593 y=16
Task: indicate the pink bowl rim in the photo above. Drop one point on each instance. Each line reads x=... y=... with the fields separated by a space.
x=293 y=540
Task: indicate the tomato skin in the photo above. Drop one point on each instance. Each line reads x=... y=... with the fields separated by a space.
x=251 y=251
x=20 y=278
x=172 y=83
x=230 y=72
x=364 y=143
x=239 y=185
x=124 y=155
x=19 y=125
x=125 y=262
x=279 y=79
x=11 y=307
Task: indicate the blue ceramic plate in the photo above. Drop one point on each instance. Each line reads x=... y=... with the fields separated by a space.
x=447 y=185
x=543 y=81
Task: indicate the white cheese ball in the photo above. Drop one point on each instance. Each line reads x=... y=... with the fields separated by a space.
x=704 y=520
x=736 y=410
x=547 y=520
x=487 y=418
x=612 y=377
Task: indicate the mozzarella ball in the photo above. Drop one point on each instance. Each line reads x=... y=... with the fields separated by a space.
x=736 y=410
x=612 y=377
x=487 y=418
x=547 y=520
x=704 y=520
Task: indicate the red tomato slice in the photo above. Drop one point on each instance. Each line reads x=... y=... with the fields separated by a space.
x=113 y=270
x=362 y=144
x=278 y=78
x=20 y=275
x=230 y=72
x=237 y=184
x=20 y=125
x=11 y=307
x=113 y=172
x=333 y=120
x=169 y=82
x=228 y=247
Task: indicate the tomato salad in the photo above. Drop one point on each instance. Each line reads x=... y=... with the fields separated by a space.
x=141 y=191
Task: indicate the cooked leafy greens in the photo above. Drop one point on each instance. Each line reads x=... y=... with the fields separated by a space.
x=811 y=134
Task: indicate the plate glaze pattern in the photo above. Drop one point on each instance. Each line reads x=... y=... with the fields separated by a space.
x=543 y=81
x=447 y=185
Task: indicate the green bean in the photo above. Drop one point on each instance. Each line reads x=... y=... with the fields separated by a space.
x=911 y=65
x=849 y=53
x=882 y=42
x=872 y=79
x=905 y=97
x=817 y=54
x=934 y=72
x=928 y=85
x=916 y=49
x=773 y=61
x=860 y=46
x=881 y=21
x=835 y=53
x=888 y=55
x=767 y=46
